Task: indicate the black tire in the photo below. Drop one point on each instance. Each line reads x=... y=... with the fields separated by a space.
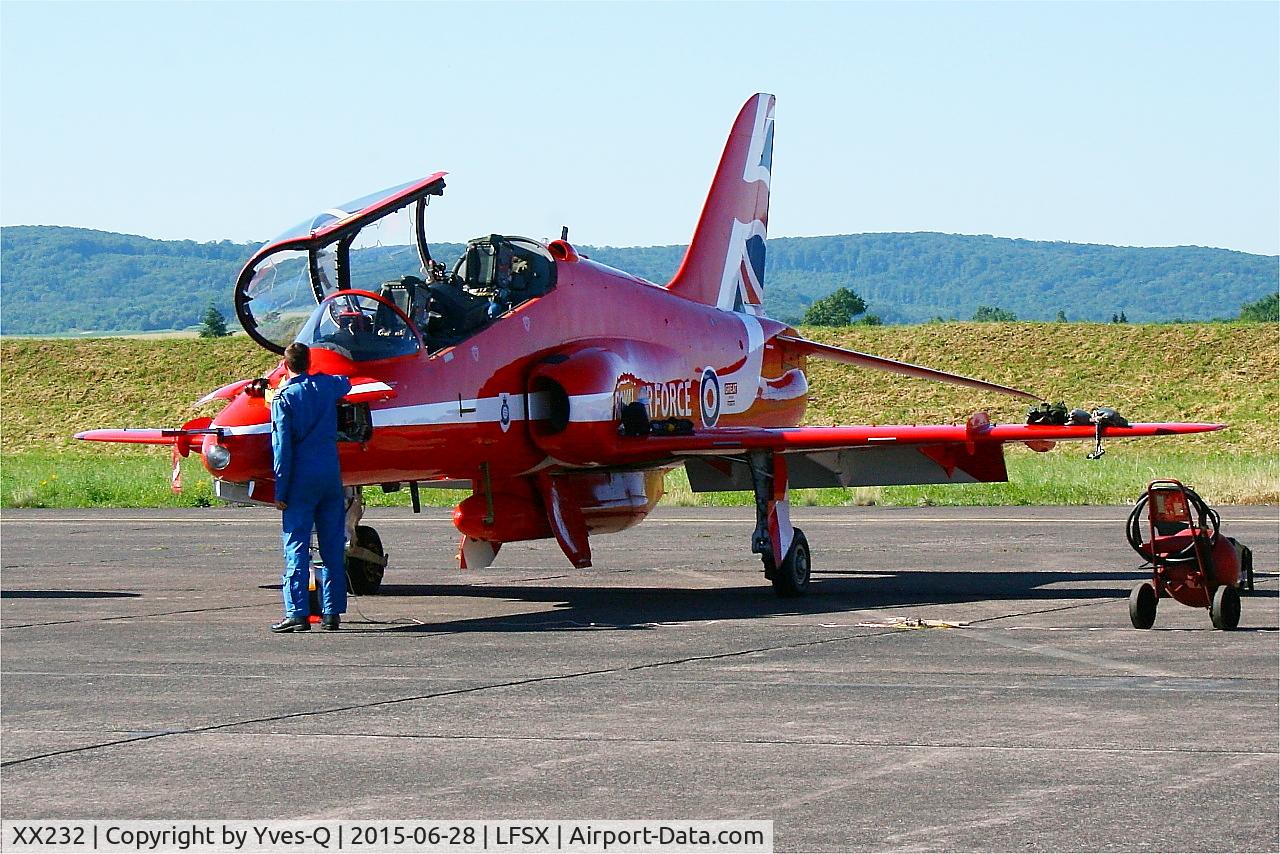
x=1244 y=585
x=792 y=577
x=365 y=577
x=1224 y=611
x=1142 y=606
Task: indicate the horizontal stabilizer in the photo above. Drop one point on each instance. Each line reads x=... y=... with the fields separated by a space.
x=879 y=363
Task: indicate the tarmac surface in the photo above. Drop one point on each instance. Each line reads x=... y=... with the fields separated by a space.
x=668 y=682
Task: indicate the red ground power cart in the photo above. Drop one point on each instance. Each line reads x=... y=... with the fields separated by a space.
x=1190 y=559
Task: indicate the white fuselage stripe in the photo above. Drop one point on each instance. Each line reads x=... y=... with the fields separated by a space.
x=583 y=408
x=367 y=387
x=746 y=377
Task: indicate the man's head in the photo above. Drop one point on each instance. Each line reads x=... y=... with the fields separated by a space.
x=297 y=358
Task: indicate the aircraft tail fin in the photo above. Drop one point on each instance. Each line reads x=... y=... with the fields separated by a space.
x=724 y=265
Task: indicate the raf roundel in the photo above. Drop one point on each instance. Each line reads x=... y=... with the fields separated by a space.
x=709 y=397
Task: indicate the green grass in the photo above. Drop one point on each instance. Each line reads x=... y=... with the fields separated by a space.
x=1223 y=372
x=134 y=478
x=45 y=479
x=1062 y=476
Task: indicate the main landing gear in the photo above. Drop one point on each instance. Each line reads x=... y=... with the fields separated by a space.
x=782 y=548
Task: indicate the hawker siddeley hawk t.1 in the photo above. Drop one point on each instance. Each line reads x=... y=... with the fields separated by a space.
x=557 y=391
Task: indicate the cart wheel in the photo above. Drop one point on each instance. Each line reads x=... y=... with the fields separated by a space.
x=1142 y=606
x=1225 y=610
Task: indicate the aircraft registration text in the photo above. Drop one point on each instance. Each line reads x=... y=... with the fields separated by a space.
x=671 y=399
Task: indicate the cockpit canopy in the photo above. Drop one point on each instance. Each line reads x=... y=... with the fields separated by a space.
x=378 y=244
x=360 y=326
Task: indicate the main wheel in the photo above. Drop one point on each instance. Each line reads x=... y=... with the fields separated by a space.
x=1142 y=606
x=1224 y=611
x=792 y=577
x=364 y=577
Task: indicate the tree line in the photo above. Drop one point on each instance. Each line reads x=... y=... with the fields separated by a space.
x=59 y=280
x=918 y=277
x=845 y=308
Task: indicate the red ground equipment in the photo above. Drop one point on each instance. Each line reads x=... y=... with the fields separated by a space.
x=1190 y=560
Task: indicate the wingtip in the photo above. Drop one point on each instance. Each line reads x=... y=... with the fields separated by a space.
x=1201 y=427
x=1183 y=428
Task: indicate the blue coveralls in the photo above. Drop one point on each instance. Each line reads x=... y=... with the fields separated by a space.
x=304 y=445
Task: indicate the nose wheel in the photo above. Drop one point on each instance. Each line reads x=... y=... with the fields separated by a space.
x=366 y=559
x=366 y=562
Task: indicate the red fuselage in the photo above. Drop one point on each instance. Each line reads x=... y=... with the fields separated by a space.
x=540 y=389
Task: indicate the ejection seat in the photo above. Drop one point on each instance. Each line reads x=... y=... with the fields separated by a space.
x=453 y=314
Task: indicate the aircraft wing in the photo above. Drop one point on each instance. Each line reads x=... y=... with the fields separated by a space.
x=788 y=439
x=179 y=436
x=872 y=455
x=135 y=436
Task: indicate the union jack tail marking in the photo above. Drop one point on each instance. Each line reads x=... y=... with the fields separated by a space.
x=724 y=265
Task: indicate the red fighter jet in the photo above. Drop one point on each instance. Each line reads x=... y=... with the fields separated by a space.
x=559 y=391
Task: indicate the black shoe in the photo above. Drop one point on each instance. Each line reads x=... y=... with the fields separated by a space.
x=329 y=622
x=292 y=624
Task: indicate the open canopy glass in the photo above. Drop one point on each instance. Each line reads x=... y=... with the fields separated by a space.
x=377 y=244
x=367 y=241
x=359 y=326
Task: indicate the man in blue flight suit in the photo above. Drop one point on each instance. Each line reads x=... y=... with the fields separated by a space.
x=304 y=444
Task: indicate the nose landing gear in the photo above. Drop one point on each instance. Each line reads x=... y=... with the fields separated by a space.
x=366 y=559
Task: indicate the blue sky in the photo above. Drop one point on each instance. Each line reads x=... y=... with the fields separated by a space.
x=1141 y=124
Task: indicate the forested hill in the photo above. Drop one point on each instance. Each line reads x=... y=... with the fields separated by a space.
x=916 y=277
x=56 y=280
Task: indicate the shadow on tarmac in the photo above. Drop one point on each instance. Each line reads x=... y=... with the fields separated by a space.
x=612 y=608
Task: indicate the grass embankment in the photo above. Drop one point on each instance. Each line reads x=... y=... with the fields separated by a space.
x=1213 y=372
